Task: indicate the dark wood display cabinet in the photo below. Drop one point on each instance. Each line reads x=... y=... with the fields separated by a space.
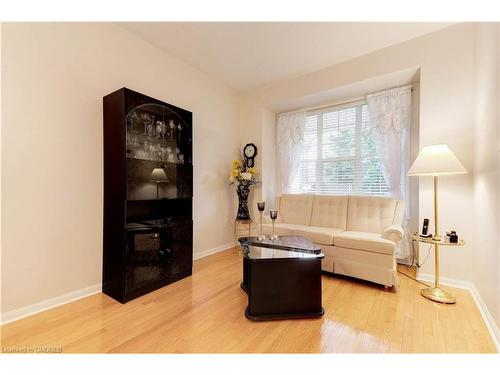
x=148 y=191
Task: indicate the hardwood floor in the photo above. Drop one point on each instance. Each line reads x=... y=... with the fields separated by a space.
x=205 y=313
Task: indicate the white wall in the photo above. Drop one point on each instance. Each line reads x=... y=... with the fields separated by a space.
x=447 y=62
x=486 y=167
x=1 y=162
x=54 y=78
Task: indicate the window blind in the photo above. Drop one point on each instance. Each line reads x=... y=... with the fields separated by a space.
x=339 y=154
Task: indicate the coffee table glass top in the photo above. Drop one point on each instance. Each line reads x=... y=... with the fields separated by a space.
x=256 y=253
x=291 y=243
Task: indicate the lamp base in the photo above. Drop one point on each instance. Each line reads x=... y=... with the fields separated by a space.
x=438 y=295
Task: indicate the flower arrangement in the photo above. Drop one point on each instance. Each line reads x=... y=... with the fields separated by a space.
x=244 y=177
x=242 y=174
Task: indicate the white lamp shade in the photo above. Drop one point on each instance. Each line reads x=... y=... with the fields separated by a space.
x=436 y=160
x=159 y=175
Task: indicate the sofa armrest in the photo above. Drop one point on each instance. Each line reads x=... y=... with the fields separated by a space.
x=267 y=220
x=393 y=233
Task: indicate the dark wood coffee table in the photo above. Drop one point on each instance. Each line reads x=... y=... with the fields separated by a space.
x=282 y=278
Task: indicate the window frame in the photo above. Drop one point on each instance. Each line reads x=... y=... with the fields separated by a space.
x=356 y=159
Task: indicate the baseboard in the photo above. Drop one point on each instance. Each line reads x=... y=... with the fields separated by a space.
x=483 y=309
x=488 y=319
x=429 y=278
x=47 y=304
x=213 y=250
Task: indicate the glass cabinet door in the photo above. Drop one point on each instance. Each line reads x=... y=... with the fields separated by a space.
x=159 y=190
x=159 y=153
x=158 y=251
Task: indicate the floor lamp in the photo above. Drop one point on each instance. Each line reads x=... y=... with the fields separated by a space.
x=436 y=160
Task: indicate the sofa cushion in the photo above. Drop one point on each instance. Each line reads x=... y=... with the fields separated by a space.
x=318 y=235
x=296 y=208
x=329 y=211
x=364 y=241
x=281 y=229
x=370 y=214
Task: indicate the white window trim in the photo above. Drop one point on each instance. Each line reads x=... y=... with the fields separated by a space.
x=357 y=158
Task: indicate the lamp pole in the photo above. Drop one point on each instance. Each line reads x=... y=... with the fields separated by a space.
x=436 y=293
x=437 y=236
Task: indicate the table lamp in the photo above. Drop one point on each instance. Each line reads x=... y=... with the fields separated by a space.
x=158 y=175
x=436 y=160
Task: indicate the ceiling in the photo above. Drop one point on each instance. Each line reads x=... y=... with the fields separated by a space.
x=353 y=91
x=246 y=55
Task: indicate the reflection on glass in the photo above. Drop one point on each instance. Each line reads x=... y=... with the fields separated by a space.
x=158 y=138
x=152 y=142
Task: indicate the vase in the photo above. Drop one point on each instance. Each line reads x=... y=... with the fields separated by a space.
x=243 y=191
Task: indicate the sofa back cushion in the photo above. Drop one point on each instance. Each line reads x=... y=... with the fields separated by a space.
x=371 y=214
x=296 y=208
x=329 y=211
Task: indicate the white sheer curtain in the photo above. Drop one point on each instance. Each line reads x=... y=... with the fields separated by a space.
x=390 y=115
x=289 y=140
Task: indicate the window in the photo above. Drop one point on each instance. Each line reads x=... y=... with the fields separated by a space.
x=339 y=155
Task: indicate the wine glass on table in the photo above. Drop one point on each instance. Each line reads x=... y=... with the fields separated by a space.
x=261 y=206
x=274 y=215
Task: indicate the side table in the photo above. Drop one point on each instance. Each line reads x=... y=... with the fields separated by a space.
x=436 y=293
x=242 y=222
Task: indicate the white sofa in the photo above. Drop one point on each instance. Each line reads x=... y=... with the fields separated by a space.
x=358 y=234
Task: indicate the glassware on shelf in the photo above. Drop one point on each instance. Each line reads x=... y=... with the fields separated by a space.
x=171 y=125
x=171 y=158
x=149 y=129
x=261 y=206
x=163 y=129
x=134 y=120
x=146 y=120
x=158 y=129
x=274 y=215
x=162 y=153
x=155 y=137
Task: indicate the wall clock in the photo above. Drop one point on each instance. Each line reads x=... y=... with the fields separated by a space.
x=249 y=153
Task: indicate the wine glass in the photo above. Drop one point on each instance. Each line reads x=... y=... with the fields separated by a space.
x=134 y=120
x=149 y=123
x=261 y=206
x=146 y=119
x=171 y=157
x=163 y=129
x=171 y=125
x=274 y=215
x=179 y=128
x=158 y=129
